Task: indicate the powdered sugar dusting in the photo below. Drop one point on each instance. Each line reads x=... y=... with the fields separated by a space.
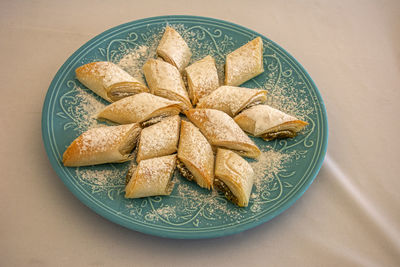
x=159 y=139
x=134 y=59
x=101 y=179
x=217 y=125
x=286 y=98
x=102 y=138
x=87 y=109
x=187 y=198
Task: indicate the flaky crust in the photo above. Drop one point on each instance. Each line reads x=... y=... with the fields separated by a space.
x=159 y=139
x=106 y=79
x=197 y=155
x=139 y=108
x=102 y=145
x=202 y=78
x=261 y=119
x=222 y=131
x=173 y=49
x=244 y=63
x=232 y=99
x=151 y=177
x=165 y=80
x=236 y=173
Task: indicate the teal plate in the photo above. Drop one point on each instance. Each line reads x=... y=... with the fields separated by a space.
x=285 y=171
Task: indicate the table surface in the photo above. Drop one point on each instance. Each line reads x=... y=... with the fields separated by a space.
x=350 y=215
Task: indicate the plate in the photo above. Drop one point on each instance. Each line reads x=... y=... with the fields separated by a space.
x=284 y=172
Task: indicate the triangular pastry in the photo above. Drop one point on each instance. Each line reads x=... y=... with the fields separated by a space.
x=143 y=107
x=102 y=145
x=108 y=80
x=232 y=100
x=222 y=131
x=234 y=177
x=151 y=177
x=244 y=63
x=165 y=80
x=269 y=123
x=173 y=49
x=195 y=156
x=159 y=139
x=202 y=78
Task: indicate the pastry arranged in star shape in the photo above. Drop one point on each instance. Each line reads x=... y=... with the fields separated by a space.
x=201 y=128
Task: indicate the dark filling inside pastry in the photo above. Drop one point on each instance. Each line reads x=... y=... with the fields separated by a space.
x=278 y=135
x=133 y=139
x=153 y=120
x=130 y=173
x=117 y=95
x=252 y=104
x=222 y=187
x=184 y=171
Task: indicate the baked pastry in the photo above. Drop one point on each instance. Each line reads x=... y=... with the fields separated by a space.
x=102 y=145
x=232 y=100
x=159 y=139
x=195 y=156
x=244 y=63
x=151 y=177
x=222 y=131
x=166 y=81
x=202 y=78
x=173 y=49
x=234 y=177
x=108 y=80
x=269 y=123
x=144 y=108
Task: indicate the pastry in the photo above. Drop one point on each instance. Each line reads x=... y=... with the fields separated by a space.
x=222 y=131
x=159 y=139
x=173 y=49
x=108 y=80
x=151 y=177
x=244 y=63
x=269 y=123
x=232 y=100
x=202 y=78
x=102 y=145
x=165 y=80
x=234 y=177
x=195 y=156
x=144 y=108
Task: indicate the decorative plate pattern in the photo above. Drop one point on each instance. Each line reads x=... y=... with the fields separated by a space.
x=285 y=170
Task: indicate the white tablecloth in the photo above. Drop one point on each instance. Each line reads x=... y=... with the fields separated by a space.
x=349 y=216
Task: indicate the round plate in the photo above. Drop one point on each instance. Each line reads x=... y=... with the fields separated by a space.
x=285 y=170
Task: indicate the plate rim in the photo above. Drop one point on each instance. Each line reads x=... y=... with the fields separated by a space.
x=182 y=235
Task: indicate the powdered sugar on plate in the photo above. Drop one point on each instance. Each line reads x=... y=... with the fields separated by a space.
x=188 y=198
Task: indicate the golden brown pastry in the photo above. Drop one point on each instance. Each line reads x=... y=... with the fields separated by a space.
x=142 y=108
x=195 y=156
x=202 y=78
x=108 y=80
x=102 y=145
x=173 y=49
x=232 y=100
x=269 y=123
x=244 y=63
x=159 y=139
x=151 y=177
x=165 y=80
x=234 y=177
x=222 y=131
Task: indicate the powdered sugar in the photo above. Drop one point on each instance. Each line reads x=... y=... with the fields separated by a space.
x=86 y=110
x=134 y=59
x=191 y=198
x=217 y=126
x=159 y=139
